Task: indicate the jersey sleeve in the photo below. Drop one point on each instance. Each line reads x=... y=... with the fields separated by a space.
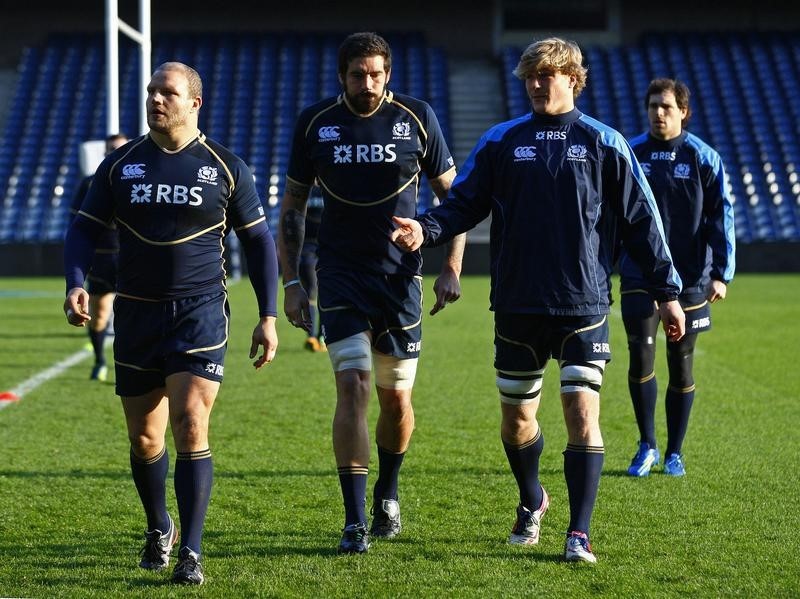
x=98 y=204
x=468 y=201
x=718 y=210
x=300 y=168
x=642 y=232
x=437 y=159
x=77 y=199
x=244 y=207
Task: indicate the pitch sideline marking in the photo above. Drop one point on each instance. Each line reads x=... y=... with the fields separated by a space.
x=52 y=372
x=46 y=375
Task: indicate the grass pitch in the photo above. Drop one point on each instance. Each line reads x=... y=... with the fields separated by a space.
x=71 y=523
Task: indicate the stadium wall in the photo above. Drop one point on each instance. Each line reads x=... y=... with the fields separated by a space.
x=462 y=28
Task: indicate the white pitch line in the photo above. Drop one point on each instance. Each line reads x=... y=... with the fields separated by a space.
x=46 y=375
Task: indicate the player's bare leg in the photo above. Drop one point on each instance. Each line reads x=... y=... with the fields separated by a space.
x=351 y=449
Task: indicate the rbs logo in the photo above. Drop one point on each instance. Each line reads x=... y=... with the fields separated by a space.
x=542 y=135
x=167 y=194
x=364 y=153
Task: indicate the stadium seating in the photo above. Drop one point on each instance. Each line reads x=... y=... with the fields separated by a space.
x=255 y=86
x=744 y=90
x=744 y=104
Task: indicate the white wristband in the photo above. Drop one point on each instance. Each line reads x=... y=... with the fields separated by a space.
x=290 y=283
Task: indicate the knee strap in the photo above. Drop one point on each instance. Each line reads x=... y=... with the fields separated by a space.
x=351 y=352
x=392 y=372
x=582 y=376
x=519 y=388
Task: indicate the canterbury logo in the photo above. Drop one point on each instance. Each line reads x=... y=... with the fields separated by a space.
x=328 y=133
x=525 y=152
x=133 y=170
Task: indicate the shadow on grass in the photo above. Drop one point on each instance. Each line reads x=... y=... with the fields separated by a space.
x=79 y=474
x=268 y=544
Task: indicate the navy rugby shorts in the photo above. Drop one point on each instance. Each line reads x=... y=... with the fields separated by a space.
x=156 y=339
x=524 y=342
x=640 y=305
x=388 y=305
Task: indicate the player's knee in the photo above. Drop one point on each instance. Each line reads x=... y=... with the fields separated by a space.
x=642 y=358
x=392 y=372
x=351 y=352
x=577 y=377
x=680 y=374
x=680 y=361
x=144 y=447
x=683 y=349
x=519 y=388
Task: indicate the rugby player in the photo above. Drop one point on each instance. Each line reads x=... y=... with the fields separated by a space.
x=367 y=148
x=172 y=193
x=561 y=188
x=691 y=191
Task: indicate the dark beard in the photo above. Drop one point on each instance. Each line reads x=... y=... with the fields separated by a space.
x=365 y=103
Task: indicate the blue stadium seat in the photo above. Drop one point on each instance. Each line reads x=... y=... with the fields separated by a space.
x=256 y=84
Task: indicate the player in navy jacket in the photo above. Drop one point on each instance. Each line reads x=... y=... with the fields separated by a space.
x=367 y=148
x=172 y=194
x=562 y=189
x=690 y=188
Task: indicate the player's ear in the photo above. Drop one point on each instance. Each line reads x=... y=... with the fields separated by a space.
x=388 y=74
x=198 y=102
x=341 y=79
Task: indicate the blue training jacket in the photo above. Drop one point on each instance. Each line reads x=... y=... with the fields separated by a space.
x=690 y=187
x=563 y=191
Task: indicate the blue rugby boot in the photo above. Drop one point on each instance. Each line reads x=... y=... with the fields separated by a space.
x=673 y=465
x=644 y=460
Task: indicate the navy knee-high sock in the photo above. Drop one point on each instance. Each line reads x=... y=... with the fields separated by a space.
x=194 y=475
x=98 y=339
x=524 y=462
x=388 y=474
x=353 y=480
x=150 y=478
x=678 y=405
x=644 y=395
x=582 y=467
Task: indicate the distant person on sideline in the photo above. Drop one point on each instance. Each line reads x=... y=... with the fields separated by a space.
x=101 y=282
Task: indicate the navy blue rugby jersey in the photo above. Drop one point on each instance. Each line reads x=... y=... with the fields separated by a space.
x=108 y=241
x=562 y=191
x=369 y=169
x=171 y=209
x=690 y=187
